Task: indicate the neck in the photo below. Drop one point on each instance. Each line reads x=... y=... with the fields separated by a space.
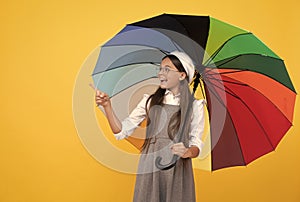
x=174 y=91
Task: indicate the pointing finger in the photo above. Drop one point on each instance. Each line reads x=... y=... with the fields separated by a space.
x=92 y=86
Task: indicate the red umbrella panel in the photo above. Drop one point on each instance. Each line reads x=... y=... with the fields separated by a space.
x=256 y=116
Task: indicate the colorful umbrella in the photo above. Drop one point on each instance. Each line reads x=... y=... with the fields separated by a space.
x=250 y=97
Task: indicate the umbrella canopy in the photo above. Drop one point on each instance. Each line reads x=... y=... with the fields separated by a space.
x=250 y=97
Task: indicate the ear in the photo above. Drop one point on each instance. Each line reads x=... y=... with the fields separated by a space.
x=182 y=76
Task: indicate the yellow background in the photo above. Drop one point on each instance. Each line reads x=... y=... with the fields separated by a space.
x=44 y=44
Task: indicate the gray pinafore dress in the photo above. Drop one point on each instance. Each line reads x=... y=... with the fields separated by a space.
x=173 y=185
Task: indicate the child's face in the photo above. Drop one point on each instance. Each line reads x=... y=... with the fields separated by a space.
x=169 y=76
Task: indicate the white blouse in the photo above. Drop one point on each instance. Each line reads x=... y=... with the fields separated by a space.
x=139 y=114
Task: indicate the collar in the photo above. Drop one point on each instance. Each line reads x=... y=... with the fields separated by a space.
x=168 y=92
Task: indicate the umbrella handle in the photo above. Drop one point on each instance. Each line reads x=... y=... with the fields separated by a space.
x=167 y=166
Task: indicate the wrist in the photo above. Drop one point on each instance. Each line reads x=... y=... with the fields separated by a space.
x=107 y=106
x=187 y=153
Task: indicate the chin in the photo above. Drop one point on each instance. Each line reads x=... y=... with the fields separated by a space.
x=163 y=87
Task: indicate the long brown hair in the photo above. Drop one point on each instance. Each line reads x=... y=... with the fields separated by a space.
x=157 y=99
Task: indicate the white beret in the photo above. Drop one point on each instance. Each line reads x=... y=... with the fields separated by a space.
x=186 y=62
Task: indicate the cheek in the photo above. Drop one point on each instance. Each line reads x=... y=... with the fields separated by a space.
x=173 y=76
x=174 y=80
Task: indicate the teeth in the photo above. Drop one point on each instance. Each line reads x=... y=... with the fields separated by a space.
x=163 y=80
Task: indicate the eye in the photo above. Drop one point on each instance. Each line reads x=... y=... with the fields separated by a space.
x=165 y=69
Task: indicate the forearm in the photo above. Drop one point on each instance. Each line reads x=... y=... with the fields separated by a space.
x=113 y=121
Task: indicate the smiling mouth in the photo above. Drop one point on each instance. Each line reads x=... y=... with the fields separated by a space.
x=163 y=80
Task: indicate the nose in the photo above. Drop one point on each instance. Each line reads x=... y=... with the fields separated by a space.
x=159 y=71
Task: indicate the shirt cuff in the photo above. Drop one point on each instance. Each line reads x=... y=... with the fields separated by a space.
x=127 y=129
x=120 y=135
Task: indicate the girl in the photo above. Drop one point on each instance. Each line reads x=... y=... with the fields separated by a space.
x=175 y=123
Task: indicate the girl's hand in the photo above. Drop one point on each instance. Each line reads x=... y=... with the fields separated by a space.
x=180 y=150
x=102 y=98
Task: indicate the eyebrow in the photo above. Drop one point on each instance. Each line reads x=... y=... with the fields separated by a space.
x=167 y=66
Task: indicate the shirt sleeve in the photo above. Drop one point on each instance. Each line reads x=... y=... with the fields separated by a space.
x=133 y=120
x=197 y=124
